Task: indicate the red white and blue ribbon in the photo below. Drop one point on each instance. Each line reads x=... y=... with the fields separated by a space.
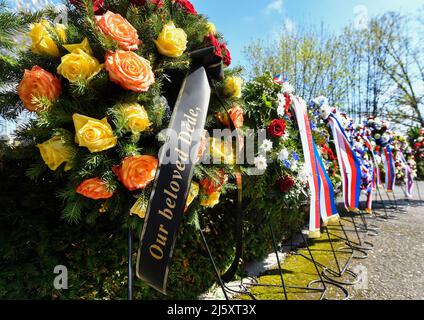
x=322 y=192
x=408 y=175
x=372 y=172
x=390 y=168
x=350 y=165
x=279 y=79
x=328 y=207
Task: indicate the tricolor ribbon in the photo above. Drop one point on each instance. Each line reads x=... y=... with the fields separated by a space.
x=350 y=165
x=369 y=172
x=390 y=168
x=279 y=79
x=321 y=189
x=372 y=172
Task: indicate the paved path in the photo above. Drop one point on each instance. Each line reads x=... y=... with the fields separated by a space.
x=395 y=267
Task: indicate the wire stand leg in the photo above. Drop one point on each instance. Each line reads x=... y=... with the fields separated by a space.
x=274 y=244
x=386 y=215
x=130 y=267
x=330 y=274
x=218 y=276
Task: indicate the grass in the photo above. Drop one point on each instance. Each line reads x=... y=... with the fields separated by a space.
x=299 y=271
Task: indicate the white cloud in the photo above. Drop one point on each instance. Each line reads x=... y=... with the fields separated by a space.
x=275 y=6
x=289 y=26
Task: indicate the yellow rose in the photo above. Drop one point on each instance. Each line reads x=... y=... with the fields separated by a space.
x=42 y=42
x=223 y=151
x=84 y=46
x=172 y=41
x=232 y=87
x=55 y=152
x=96 y=135
x=211 y=201
x=136 y=118
x=211 y=28
x=79 y=65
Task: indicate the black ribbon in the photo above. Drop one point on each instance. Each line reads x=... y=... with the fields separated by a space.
x=212 y=63
x=215 y=69
x=173 y=179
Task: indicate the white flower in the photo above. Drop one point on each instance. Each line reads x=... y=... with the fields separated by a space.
x=281 y=111
x=303 y=174
x=325 y=111
x=266 y=145
x=294 y=165
x=260 y=163
x=281 y=99
x=288 y=88
x=321 y=101
x=283 y=155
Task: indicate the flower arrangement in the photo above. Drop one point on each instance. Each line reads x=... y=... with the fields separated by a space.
x=380 y=132
x=403 y=154
x=279 y=190
x=416 y=140
x=102 y=88
x=281 y=152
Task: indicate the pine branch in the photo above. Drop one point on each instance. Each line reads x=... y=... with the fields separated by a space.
x=36 y=171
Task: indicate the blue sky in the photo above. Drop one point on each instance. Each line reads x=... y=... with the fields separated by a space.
x=242 y=21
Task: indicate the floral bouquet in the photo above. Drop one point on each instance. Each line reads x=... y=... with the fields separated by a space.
x=416 y=140
x=279 y=156
x=380 y=132
x=102 y=88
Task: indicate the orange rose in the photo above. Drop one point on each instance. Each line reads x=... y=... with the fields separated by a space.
x=236 y=114
x=129 y=70
x=37 y=83
x=137 y=172
x=210 y=186
x=95 y=189
x=119 y=29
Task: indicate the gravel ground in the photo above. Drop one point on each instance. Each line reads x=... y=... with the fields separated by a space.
x=395 y=268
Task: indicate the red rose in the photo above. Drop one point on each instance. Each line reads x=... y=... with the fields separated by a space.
x=417 y=145
x=97 y=4
x=187 y=5
x=285 y=184
x=211 y=40
x=226 y=54
x=277 y=128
